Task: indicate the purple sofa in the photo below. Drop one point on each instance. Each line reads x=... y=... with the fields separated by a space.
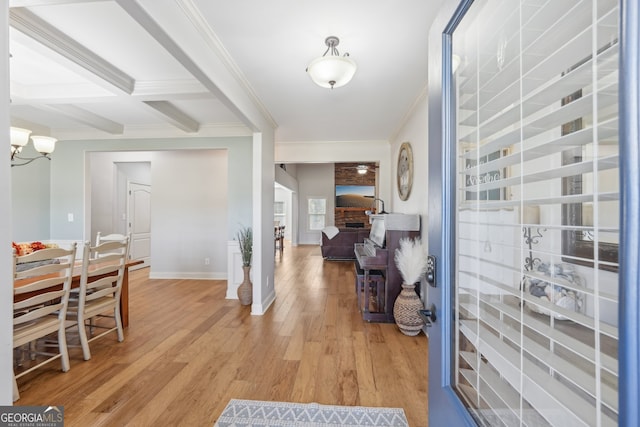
x=341 y=245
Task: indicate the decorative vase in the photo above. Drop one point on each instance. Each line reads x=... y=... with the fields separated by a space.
x=245 y=290
x=405 y=310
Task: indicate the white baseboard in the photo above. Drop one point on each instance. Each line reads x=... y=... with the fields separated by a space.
x=258 y=309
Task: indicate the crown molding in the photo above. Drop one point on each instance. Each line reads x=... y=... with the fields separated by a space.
x=422 y=95
x=192 y=13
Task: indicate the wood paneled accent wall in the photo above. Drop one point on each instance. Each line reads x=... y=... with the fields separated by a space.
x=347 y=174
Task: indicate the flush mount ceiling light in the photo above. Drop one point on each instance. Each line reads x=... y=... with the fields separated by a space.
x=332 y=70
x=20 y=137
x=362 y=169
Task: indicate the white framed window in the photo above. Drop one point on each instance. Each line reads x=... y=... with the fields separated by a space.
x=317 y=211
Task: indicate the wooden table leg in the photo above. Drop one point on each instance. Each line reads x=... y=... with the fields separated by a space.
x=124 y=299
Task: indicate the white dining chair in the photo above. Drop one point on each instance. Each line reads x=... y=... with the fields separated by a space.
x=42 y=281
x=103 y=268
x=109 y=237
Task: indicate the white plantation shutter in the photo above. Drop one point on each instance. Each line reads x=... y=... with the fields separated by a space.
x=537 y=212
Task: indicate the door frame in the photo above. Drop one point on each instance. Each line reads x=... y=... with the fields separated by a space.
x=445 y=407
x=629 y=250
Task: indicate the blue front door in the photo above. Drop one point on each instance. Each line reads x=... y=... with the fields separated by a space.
x=532 y=146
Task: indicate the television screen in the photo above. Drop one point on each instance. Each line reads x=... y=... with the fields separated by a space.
x=355 y=196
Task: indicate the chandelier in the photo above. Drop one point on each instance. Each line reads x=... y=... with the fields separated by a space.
x=332 y=70
x=20 y=137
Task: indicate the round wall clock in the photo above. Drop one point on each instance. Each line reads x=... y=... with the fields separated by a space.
x=405 y=171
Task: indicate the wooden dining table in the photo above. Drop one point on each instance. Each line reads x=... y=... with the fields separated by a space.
x=75 y=283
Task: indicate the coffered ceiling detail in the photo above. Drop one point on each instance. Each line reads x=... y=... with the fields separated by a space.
x=103 y=69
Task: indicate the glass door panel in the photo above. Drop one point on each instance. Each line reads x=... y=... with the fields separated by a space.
x=536 y=215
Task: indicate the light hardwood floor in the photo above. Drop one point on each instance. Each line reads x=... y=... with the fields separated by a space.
x=188 y=351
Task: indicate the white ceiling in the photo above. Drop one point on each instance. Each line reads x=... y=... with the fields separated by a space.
x=89 y=69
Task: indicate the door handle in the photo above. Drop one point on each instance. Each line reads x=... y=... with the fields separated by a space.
x=428 y=315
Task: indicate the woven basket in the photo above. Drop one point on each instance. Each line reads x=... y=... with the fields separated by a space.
x=405 y=311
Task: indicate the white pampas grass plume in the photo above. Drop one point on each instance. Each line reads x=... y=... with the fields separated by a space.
x=411 y=259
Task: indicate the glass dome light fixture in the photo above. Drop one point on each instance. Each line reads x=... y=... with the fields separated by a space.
x=332 y=70
x=20 y=137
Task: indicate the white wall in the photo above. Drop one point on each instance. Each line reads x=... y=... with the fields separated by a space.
x=102 y=191
x=106 y=168
x=6 y=270
x=317 y=181
x=189 y=214
x=414 y=131
x=30 y=197
x=287 y=178
x=110 y=172
x=263 y=251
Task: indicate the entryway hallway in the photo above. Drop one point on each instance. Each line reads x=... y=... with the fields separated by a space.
x=188 y=351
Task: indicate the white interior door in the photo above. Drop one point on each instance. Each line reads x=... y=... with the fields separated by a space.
x=139 y=222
